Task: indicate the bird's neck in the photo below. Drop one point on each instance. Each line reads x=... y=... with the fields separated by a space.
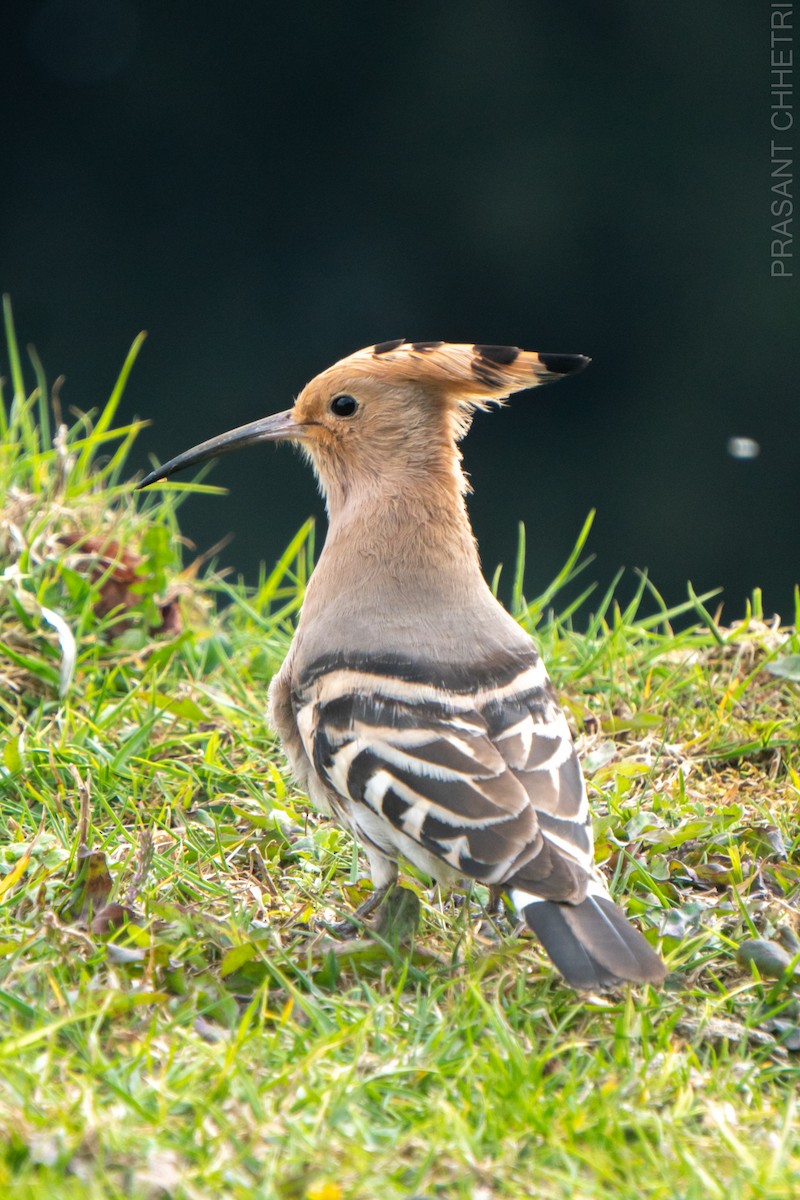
x=392 y=555
x=413 y=528
x=399 y=575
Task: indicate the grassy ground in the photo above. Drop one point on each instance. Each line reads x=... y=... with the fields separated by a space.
x=173 y=1018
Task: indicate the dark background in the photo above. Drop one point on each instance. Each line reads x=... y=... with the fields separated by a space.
x=268 y=187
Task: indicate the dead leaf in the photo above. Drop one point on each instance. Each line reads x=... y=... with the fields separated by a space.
x=92 y=887
x=111 y=917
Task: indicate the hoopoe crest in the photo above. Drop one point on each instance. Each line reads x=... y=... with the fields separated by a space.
x=411 y=705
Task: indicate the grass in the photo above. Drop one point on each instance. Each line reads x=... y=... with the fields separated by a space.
x=173 y=1019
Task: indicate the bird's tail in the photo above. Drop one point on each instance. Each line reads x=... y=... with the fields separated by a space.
x=592 y=943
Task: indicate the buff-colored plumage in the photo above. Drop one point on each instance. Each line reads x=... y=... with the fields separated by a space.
x=411 y=705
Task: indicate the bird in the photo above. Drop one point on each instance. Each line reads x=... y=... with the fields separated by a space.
x=412 y=707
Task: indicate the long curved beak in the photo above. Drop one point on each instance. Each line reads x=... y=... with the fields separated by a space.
x=278 y=428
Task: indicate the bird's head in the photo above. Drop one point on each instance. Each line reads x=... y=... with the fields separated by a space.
x=391 y=414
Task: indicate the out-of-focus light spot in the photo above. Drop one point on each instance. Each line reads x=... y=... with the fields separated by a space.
x=83 y=41
x=740 y=447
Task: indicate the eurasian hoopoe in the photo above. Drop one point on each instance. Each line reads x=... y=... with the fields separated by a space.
x=411 y=705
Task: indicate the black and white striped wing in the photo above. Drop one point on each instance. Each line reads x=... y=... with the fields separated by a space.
x=484 y=781
x=480 y=783
x=530 y=731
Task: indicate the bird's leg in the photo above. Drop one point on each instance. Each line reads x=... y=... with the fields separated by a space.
x=496 y=906
x=495 y=912
x=384 y=876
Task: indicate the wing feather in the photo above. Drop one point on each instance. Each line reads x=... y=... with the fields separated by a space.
x=486 y=781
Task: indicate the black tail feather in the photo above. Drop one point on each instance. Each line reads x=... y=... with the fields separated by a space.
x=592 y=943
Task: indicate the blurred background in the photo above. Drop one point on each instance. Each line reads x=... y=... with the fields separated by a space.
x=267 y=187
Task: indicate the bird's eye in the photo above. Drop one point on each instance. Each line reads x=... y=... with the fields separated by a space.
x=343 y=406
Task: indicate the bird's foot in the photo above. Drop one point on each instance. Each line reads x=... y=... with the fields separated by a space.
x=397 y=912
x=354 y=924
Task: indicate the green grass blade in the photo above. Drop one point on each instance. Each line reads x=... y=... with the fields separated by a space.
x=109 y=411
x=568 y=572
x=705 y=616
x=598 y=618
x=43 y=399
x=17 y=380
x=283 y=567
x=519 y=572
